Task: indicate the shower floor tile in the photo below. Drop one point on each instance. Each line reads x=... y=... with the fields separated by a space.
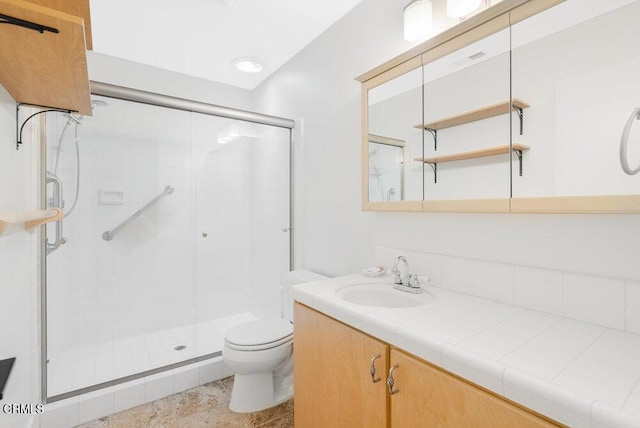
x=90 y=365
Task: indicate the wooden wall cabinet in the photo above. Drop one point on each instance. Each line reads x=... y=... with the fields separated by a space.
x=79 y=8
x=45 y=69
x=334 y=386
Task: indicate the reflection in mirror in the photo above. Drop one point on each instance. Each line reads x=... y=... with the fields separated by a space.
x=466 y=106
x=394 y=108
x=386 y=169
x=578 y=65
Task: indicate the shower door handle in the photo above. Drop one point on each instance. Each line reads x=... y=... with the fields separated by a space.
x=56 y=203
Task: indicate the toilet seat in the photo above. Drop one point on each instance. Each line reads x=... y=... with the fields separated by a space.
x=259 y=335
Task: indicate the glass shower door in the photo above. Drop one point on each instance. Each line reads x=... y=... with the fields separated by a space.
x=121 y=288
x=242 y=247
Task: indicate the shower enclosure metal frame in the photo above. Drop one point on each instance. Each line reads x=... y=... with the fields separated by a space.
x=158 y=100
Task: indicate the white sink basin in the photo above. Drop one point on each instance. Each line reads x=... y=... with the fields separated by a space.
x=382 y=296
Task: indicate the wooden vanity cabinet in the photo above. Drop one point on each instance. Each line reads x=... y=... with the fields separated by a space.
x=430 y=397
x=332 y=381
x=333 y=387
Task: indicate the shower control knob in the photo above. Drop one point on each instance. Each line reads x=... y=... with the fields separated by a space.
x=286 y=229
x=63 y=241
x=205 y=234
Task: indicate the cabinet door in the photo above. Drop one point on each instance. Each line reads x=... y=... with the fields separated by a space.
x=333 y=387
x=428 y=396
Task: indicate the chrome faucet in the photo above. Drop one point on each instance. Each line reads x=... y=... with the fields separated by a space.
x=410 y=282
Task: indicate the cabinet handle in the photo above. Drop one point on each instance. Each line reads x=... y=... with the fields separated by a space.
x=391 y=381
x=372 y=370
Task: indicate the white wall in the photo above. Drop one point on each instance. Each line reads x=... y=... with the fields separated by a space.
x=19 y=332
x=338 y=238
x=108 y=69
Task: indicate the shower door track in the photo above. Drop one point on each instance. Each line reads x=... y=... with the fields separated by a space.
x=160 y=100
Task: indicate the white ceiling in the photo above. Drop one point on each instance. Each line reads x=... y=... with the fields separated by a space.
x=202 y=37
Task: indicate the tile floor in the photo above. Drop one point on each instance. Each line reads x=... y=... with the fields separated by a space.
x=81 y=367
x=202 y=407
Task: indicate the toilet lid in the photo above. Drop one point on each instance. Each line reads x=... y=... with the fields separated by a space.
x=260 y=334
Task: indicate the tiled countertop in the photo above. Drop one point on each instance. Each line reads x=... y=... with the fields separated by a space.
x=579 y=374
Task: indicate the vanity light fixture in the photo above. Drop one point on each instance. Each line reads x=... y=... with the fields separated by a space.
x=247 y=65
x=462 y=8
x=418 y=20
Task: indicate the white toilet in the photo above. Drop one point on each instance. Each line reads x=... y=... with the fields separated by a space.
x=260 y=353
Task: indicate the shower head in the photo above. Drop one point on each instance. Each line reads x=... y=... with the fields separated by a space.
x=77 y=119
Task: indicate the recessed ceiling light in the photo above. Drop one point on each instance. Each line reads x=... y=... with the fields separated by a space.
x=248 y=65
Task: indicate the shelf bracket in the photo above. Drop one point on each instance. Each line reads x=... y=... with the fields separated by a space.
x=434 y=133
x=19 y=128
x=6 y=19
x=434 y=167
x=519 y=154
x=520 y=112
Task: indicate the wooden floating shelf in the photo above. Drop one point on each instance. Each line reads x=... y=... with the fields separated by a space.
x=475 y=115
x=30 y=219
x=45 y=69
x=492 y=151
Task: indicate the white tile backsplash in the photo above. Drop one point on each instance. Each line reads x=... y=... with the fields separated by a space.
x=539 y=289
x=603 y=301
x=457 y=274
x=494 y=281
x=598 y=300
x=427 y=265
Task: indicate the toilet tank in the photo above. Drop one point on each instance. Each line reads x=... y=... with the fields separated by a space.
x=292 y=278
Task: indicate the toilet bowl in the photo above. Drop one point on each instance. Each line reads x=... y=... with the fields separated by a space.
x=260 y=353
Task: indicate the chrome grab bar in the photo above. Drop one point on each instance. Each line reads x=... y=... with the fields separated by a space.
x=109 y=234
x=635 y=113
x=56 y=202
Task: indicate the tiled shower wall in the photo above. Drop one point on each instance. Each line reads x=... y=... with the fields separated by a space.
x=186 y=259
x=606 y=301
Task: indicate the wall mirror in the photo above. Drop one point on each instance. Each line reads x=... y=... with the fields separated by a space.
x=578 y=65
x=522 y=109
x=394 y=108
x=466 y=121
